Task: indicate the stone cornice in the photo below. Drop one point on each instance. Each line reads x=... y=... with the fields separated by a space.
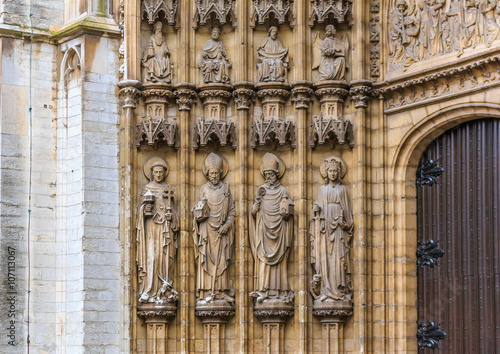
x=99 y=26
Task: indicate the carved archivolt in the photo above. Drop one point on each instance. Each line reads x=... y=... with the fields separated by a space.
x=152 y=10
x=421 y=30
x=280 y=9
x=220 y=9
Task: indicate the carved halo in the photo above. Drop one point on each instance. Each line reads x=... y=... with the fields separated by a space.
x=149 y=162
x=343 y=166
x=281 y=166
x=225 y=166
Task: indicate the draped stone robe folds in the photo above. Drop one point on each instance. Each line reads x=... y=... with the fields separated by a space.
x=273 y=61
x=271 y=241
x=156 y=60
x=209 y=247
x=332 y=65
x=156 y=242
x=214 y=62
x=330 y=249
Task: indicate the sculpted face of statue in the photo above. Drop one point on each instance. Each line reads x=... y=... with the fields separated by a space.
x=214 y=176
x=330 y=31
x=215 y=33
x=273 y=33
x=333 y=174
x=270 y=177
x=158 y=173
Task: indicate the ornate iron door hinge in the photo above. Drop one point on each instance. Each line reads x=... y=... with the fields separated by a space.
x=428 y=253
x=428 y=173
x=429 y=334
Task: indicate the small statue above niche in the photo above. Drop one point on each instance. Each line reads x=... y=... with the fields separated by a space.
x=273 y=58
x=329 y=55
x=156 y=58
x=214 y=62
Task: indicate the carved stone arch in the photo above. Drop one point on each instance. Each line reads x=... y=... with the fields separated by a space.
x=401 y=211
x=71 y=61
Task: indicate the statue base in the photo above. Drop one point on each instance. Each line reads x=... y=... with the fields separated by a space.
x=274 y=310
x=332 y=315
x=331 y=95
x=216 y=311
x=156 y=316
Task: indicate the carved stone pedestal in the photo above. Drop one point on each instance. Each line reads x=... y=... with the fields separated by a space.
x=157 y=317
x=214 y=316
x=331 y=95
x=332 y=315
x=273 y=313
x=214 y=126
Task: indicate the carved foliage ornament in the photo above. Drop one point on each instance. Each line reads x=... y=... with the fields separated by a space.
x=214 y=130
x=337 y=130
x=429 y=334
x=428 y=173
x=428 y=253
x=273 y=130
x=281 y=10
x=322 y=9
x=221 y=9
x=153 y=9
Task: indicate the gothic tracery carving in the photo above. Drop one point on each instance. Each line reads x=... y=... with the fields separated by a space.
x=322 y=9
x=152 y=10
x=272 y=131
x=336 y=129
x=220 y=9
x=280 y=9
x=209 y=130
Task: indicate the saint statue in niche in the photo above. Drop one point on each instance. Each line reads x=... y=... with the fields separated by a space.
x=156 y=57
x=157 y=232
x=214 y=229
x=330 y=55
x=273 y=58
x=331 y=232
x=271 y=234
x=214 y=62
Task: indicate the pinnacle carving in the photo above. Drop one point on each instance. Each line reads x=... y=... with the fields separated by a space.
x=153 y=10
x=207 y=130
x=156 y=131
x=272 y=131
x=282 y=10
x=222 y=10
x=322 y=9
x=337 y=130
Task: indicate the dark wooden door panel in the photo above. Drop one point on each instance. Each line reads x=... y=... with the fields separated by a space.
x=462 y=293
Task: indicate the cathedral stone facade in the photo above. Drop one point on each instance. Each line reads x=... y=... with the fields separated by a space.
x=245 y=176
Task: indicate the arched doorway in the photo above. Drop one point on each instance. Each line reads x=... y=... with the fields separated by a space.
x=461 y=212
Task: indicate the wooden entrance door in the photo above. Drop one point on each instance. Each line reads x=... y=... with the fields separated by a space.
x=461 y=212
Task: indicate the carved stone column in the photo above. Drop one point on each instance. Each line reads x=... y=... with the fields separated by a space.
x=157 y=318
x=155 y=128
x=273 y=96
x=332 y=318
x=214 y=126
x=360 y=92
x=273 y=320
x=214 y=322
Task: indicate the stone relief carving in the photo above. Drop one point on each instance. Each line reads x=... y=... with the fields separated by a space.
x=214 y=228
x=375 y=29
x=153 y=10
x=272 y=130
x=218 y=9
x=207 y=130
x=214 y=63
x=331 y=232
x=271 y=231
x=322 y=9
x=156 y=130
x=156 y=58
x=329 y=55
x=280 y=9
x=157 y=232
x=336 y=129
x=273 y=58
x=422 y=29
x=482 y=73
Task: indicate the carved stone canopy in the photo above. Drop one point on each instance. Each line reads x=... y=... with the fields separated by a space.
x=152 y=10
x=272 y=131
x=321 y=10
x=337 y=130
x=222 y=10
x=281 y=10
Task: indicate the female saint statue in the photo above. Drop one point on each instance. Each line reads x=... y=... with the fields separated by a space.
x=331 y=232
